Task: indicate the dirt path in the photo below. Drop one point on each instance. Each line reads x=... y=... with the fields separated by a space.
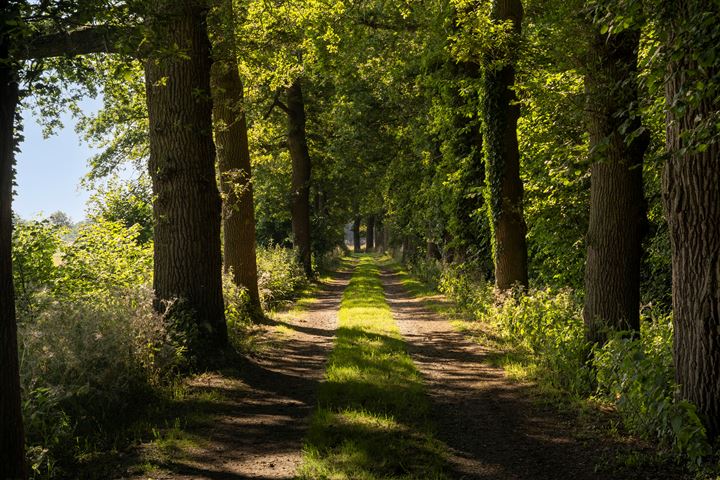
x=492 y=427
x=255 y=429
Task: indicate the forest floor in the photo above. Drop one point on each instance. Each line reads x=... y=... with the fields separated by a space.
x=255 y=420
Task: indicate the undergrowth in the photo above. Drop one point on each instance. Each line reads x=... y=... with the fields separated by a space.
x=372 y=417
x=98 y=364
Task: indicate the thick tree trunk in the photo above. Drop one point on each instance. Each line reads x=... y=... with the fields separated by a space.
x=188 y=264
x=370 y=241
x=691 y=194
x=12 y=443
x=233 y=154
x=503 y=162
x=617 y=204
x=301 y=170
x=357 y=246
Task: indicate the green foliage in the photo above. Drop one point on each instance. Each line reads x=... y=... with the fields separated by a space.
x=105 y=257
x=128 y=202
x=88 y=367
x=35 y=245
x=280 y=275
x=637 y=375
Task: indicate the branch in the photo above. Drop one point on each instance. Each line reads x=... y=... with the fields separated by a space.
x=96 y=39
x=277 y=103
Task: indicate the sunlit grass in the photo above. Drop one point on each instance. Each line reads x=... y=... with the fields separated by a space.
x=372 y=419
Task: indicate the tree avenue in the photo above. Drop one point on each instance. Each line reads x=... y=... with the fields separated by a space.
x=551 y=166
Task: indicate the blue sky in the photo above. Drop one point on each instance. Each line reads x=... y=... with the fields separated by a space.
x=49 y=170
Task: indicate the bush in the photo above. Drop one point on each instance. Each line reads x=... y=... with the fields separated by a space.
x=280 y=275
x=637 y=375
x=86 y=364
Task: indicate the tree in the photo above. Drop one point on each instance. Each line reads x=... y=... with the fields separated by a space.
x=231 y=138
x=691 y=196
x=357 y=248
x=301 y=171
x=617 y=204
x=187 y=207
x=370 y=242
x=500 y=143
x=12 y=442
x=61 y=219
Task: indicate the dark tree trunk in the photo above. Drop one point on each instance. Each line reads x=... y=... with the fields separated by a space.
x=12 y=443
x=301 y=170
x=691 y=194
x=617 y=204
x=357 y=246
x=188 y=264
x=501 y=114
x=233 y=156
x=370 y=241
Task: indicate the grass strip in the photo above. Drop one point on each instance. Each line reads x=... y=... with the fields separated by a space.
x=372 y=416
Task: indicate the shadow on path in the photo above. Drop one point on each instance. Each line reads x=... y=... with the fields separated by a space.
x=257 y=411
x=491 y=425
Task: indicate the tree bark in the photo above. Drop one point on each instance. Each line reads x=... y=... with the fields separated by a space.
x=691 y=194
x=233 y=153
x=357 y=247
x=301 y=170
x=617 y=204
x=502 y=157
x=12 y=440
x=370 y=241
x=188 y=264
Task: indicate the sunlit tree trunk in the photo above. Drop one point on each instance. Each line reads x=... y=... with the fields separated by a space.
x=691 y=196
x=12 y=443
x=301 y=171
x=233 y=155
x=502 y=156
x=617 y=205
x=188 y=264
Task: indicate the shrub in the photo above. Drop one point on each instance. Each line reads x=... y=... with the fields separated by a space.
x=280 y=275
x=85 y=365
x=35 y=244
x=637 y=375
x=105 y=256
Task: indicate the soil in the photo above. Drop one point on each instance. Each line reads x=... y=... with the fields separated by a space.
x=256 y=429
x=496 y=428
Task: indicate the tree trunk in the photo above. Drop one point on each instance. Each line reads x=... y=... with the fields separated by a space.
x=691 y=194
x=233 y=153
x=502 y=157
x=617 y=205
x=12 y=440
x=188 y=264
x=357 y=246
x=370 y=240
x=301 y=170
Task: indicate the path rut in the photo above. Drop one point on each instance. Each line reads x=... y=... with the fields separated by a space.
x=491 y=425
x=256 y=432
